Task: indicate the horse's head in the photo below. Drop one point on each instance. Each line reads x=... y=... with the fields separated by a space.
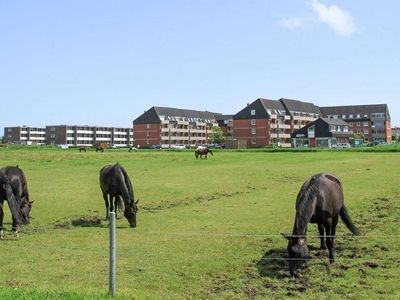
x=26 y=207
x=130 y=213
x=298 y=253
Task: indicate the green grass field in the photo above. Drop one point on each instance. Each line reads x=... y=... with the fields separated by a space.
x=207 y=229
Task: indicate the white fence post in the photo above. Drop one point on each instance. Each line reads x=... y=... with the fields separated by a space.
x=111 y=289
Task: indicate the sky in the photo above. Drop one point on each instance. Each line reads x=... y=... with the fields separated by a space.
x=104 y=63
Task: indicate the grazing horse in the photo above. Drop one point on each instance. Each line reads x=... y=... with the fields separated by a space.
x=14 y=189
x=82 y=149
x=101 y=147
x=202 y=150
x=115 y=183
x=320 y=200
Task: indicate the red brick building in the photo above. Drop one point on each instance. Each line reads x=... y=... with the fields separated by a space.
x=167 y=127
x=270 y=122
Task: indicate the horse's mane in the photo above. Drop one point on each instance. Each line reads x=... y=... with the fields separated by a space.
x=304 y=203
x=128 y=183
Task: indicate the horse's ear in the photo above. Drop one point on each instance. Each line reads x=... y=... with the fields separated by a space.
x=286 y=236
x=30 y=202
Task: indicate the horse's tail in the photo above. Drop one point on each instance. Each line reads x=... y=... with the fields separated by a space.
x=13 y=204
x=210 y=152
x=344 y=215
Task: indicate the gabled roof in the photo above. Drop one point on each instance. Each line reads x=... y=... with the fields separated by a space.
x=153 y=114
x=355 y=109
x=223 y=117
x=272 y=104
x=333 y=121
x=263 y=108
x=300 y=106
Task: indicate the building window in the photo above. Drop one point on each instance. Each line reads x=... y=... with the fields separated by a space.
x=148 y=126
x=333 y=128
x=253 y=131
x=253 y=121
x=351 y=124
x=365 y=123
x=358 y=123
x=346 y=128
x=253 y=112
x=253 y=140
x=358 y=116
x=366 y=131
x=350 y=116
x=343 y=116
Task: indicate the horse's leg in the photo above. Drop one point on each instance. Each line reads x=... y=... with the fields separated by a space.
x=333 y=232
x=105 y=197
x=329 y=240
x=112 y=203
x=1 y=222
x=321 y=236
x=15 y=227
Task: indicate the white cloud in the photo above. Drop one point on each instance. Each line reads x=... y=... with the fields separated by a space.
x=337 y=18
x=291 y=23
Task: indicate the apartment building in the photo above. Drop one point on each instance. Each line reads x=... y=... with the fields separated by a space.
x=166 y=126
x=25 y=135
x=372 y=121
x=75 y=135
x=271 y=122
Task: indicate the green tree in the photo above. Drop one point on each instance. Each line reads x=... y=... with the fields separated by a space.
x=217 y=135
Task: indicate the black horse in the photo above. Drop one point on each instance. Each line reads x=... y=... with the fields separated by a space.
x=320 y=200
x=115 y=183
x=202 y=150
x=14 y=189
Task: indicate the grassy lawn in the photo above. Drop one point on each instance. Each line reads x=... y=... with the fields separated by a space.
x=206 y=228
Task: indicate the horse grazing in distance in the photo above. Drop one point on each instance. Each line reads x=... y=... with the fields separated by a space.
x=14 y=189
x=82 y=148
x=115 y=184
x=320 y=200
x=202 y=150
x=101 y=147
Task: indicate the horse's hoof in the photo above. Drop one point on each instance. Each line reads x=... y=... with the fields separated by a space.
x=1 y=235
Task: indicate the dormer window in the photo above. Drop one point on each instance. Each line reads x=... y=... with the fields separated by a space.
x=253 y=112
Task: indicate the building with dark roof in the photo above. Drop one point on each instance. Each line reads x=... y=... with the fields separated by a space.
x=270 y=122
x=323 y=132
x=372 y=120
x=225 y=122
x=168 y=126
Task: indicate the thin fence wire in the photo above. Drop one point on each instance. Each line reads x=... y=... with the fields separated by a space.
x=69 y=227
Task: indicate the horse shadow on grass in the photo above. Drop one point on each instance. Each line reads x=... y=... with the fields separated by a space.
x=88 y=221
x=273 y=264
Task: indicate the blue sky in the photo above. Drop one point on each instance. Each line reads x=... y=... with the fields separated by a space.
x=106 y=62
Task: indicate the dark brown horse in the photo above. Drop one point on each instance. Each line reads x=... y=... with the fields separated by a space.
x=14 y=189
x=115 y=184
x=202 y=150
x=320 y=200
